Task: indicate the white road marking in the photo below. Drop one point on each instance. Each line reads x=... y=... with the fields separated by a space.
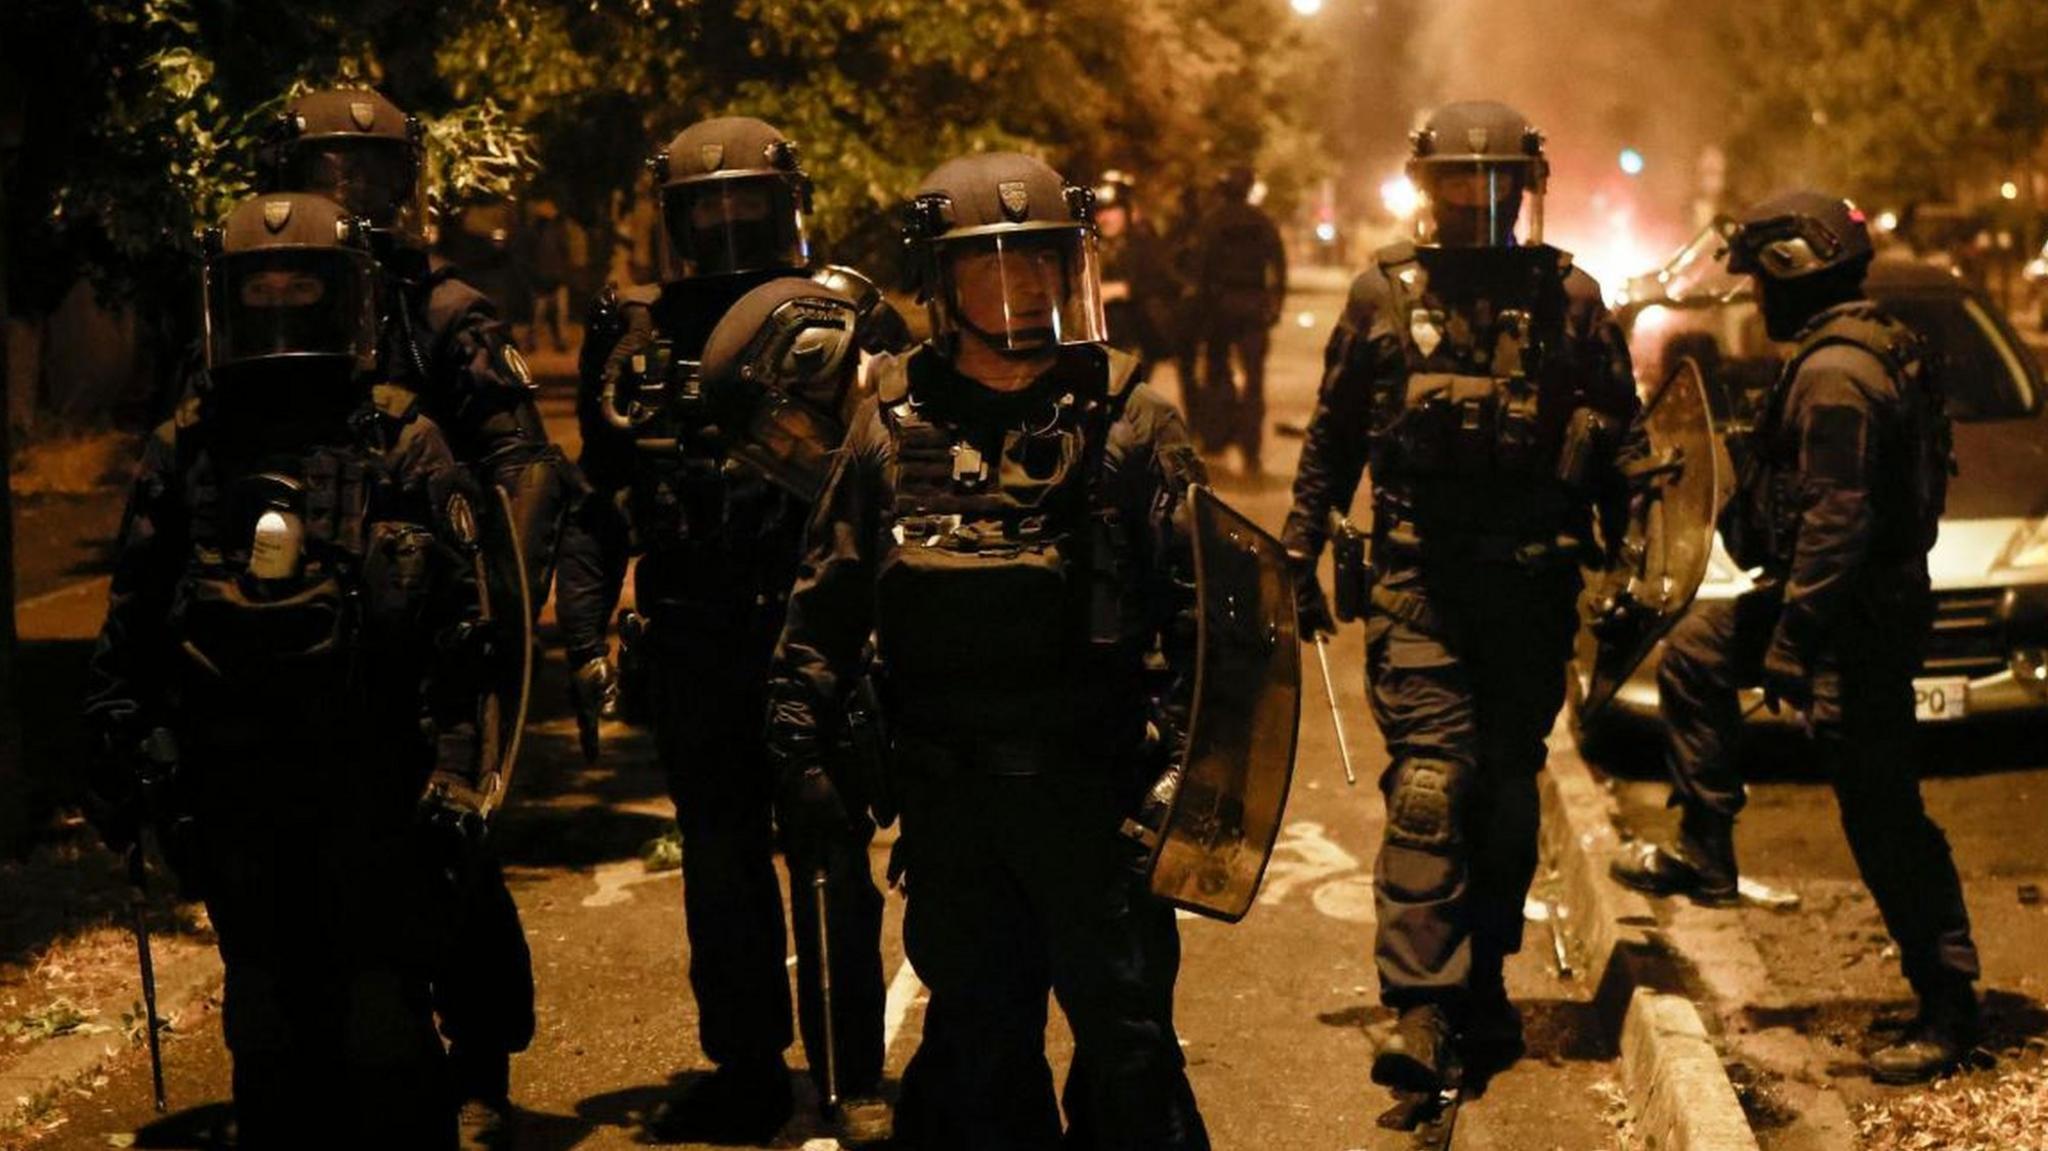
x=1348 y=899
x=1304 y=855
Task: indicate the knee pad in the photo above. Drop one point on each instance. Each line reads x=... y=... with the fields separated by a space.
x=1420 y=809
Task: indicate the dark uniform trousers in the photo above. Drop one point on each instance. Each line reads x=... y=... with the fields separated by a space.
x=1862 y=723
x=1236 y=411
x=329 y=912
x=1466 y=667
x=710 y=669
x=1019 y=884
x=483 y=990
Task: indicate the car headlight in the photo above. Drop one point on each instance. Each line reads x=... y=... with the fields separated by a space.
x=2029 y=547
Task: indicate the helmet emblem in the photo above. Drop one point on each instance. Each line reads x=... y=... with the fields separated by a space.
x=1016 y=199
x=713 y=155
x=1422 y=326
x=276 y=214
x=1477 y=138
x=363 y=113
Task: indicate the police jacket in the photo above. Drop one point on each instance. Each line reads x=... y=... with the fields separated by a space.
x=343 y=653
x=1016 y=556
x=1241 y=266
x=446 y=341
x=1842 y=489
x=1491 y=394
x=716 y=542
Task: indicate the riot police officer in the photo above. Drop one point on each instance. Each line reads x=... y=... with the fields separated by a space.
x=717 y=540
x=1241 y=283
x=294 y=597
x=443 y=339
x=1481 y=380
x=1839 y=500
x=1000 y=518
x=1138 y=288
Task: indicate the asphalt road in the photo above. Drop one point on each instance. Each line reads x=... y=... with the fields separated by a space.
x=1276 y=1013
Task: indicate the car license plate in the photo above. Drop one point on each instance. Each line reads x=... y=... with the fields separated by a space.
x=1942 y=699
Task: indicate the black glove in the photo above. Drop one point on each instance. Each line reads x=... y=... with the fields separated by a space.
x=112 y=799
x=1786 y=680
x=594 y=694
x=1311 y=606
x=811 y=813
x=451 y=818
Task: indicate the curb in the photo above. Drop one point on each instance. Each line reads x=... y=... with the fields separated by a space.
x=182 y=988
x=1673 y=1073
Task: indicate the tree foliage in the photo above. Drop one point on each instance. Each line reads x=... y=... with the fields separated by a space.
x=154 y=105
x=1894 y=100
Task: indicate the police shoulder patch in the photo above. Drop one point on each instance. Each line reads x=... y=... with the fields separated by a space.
x=513 y=362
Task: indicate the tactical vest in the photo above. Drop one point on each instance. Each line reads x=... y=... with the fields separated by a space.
x=1918 y=445
x=1487 y=439
x=1005 y=568
x=305 y=644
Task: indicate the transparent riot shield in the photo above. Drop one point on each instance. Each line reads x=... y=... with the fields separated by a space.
x=1663 y=557
x=1233 y=779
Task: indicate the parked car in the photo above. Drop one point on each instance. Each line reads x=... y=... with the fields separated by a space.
x=1988 y=655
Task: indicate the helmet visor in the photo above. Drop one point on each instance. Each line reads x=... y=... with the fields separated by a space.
x=290 y=303
x=1021 y=290
x=377 y=178
x=1476 y=203
x=1783 y=248
x=729 y=225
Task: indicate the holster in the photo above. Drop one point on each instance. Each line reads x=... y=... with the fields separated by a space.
x=1353 y=569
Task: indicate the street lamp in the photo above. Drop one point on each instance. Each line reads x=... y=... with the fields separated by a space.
x=1631 y=162
x=2009 y=190
x=1306 y=7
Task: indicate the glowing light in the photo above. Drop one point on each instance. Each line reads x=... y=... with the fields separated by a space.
x=1401 y=197
x=1631 y=161
x=1887 y=221
x=1305 y=319
x=2009 y=190
x=1326 y=232
x=1306 y=7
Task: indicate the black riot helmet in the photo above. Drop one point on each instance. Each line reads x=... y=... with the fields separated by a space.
x=780 y=371
x=1807 y=252
x=734 y=198
x=1475 y=162
x=360 y=150
x=290 y=281
x=1797 y=235
x=998 y=243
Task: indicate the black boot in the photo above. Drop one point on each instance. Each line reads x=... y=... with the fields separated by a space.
x=1421 y=1055
x=485 y=1120
x=1700 y=864
x=1938 y=1041
x=743 y=1103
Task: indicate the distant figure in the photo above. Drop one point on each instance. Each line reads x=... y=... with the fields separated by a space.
x=1139 y=290
x=548 y=270
x=1241 y=284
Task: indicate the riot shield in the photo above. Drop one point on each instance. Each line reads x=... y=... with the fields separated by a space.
x=507 y=605
x=1211 y=851
x=1670 y=534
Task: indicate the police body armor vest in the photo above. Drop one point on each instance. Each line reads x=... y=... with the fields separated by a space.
x=266 y=638
x=1488 y=430
x=684 y=491
x=1916 y=449
x=1004 y=573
